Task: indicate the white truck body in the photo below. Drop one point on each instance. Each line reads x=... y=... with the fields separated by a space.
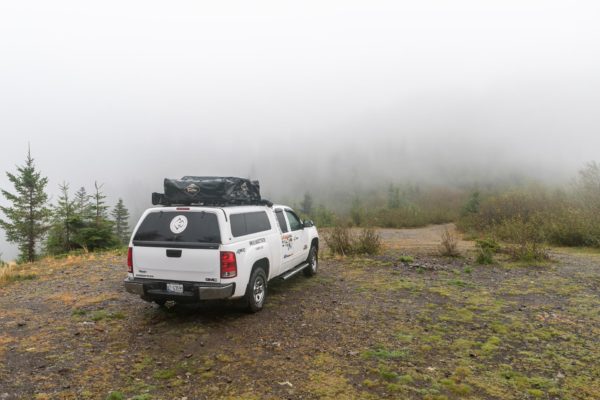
x=188 y=254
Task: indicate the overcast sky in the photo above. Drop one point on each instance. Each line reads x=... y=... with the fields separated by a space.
x=297 y=93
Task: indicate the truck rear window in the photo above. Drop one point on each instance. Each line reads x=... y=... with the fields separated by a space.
x=173 y=226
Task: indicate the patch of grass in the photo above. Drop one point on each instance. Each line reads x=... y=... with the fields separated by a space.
x=388 y=375
x=459 y=283
x=461 y=389
x=78 y=312
x=168 y=373
x=142 y=397
x=99 y=315
x=382 y=353
x=370 y=383
x=115 y=396
x=15 y=273
x=491 y=345
x=404 y=338
x=143 y=364
x=117 y=315
x=330 y=385
x=536 y=393
x=406 y=259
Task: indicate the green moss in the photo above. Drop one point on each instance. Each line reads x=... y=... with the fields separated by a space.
x=165 y=374
x=384 y=354
x=406 y=259
x=387 y=375
x=538 y=394
x=491 y=344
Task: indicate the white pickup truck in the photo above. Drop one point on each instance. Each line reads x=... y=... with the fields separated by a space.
x=189 y=254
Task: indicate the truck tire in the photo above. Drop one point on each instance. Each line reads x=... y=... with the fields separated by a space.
x=256 y=291
x=313 y=262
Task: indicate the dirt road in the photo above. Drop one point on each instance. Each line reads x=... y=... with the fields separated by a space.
x=378 y=327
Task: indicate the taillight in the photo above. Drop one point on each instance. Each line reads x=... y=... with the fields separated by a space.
x=228 y=264
x=130 y=260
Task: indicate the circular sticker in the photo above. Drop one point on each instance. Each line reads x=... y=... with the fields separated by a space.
x=178 y=224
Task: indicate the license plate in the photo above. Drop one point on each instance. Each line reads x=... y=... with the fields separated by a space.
x=175 y=287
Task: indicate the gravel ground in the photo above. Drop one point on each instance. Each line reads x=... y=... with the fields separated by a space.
x=387 y=326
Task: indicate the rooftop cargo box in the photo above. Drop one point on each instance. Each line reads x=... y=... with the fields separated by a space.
x=209 y=190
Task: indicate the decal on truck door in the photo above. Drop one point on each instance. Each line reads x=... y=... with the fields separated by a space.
x=287 y=242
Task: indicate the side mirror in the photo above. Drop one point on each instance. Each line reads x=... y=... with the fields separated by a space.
x=308 y=223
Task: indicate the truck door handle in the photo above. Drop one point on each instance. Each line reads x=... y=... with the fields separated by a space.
x=173 y=253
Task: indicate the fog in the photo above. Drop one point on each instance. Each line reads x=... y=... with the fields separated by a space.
x=300 y=95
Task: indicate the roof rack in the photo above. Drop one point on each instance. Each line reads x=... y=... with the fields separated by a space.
x=159 y=199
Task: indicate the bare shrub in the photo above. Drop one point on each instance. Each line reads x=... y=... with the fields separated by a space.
x=529 y=252
x=538 y=214
x=367 y=242
x=449 y=243
x=528 y=235
x=339 y=240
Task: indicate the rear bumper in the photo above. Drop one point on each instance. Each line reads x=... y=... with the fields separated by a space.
x=151 y=289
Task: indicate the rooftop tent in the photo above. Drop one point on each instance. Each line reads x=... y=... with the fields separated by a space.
x=208 y=190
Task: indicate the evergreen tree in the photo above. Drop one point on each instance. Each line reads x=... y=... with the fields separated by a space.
x=307 y=204
x=65 y=224
x=357 y=212
x=97 y=230
x=83 y=206
x=99 y=207
x=473 y=204
x=120 y=216
x=26 y=219
x=393 y=196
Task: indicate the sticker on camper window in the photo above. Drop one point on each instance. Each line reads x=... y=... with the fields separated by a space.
x=178 y=224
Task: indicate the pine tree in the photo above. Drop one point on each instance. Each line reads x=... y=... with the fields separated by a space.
x=393 y=196
x=120 y=216
x=97 y=230
x=26 y=220
x=83 y=205
x=99 y=207
x=357 y=212
x=472 y=205
x=65 y=224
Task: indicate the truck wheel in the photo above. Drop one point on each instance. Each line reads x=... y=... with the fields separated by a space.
x=313 y=262
x=256 y=292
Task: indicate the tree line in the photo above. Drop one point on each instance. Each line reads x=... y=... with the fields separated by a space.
x=79 y=221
